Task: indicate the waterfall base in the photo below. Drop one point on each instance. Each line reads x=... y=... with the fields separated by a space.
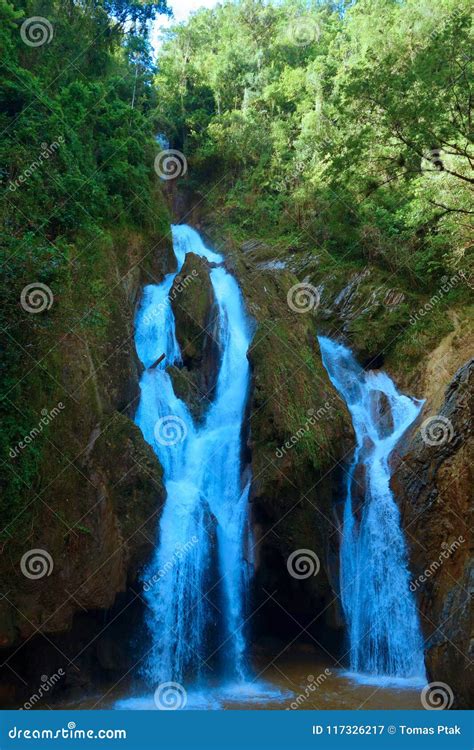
x=403 y=683
x=296 y=680
x=226 y=696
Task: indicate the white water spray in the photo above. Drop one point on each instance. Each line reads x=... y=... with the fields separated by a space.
x=384 y=630
x=195 y=586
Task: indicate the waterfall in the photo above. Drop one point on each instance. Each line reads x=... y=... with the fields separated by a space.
x=196 y=583
x=384 y=630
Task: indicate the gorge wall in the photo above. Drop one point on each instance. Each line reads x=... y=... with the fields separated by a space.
x=102 y=489
x=433 y=482
x=431 y=478
x=88 y=520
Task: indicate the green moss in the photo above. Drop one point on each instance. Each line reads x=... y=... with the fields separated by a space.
x=75 y=353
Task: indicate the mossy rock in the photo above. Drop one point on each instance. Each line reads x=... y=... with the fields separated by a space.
x=88 y=488
x=197 y=332
x=299 y=438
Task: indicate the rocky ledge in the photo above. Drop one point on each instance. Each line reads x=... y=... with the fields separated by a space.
x=433 y=482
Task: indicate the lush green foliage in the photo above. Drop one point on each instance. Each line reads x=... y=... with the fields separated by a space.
x=350 y=125
x=344 y=127
x=76 y=161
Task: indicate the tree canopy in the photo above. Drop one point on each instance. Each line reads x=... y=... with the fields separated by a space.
x=76 y=162
x=350 y=120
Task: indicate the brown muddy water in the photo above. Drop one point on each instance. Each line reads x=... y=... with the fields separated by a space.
x=291 y=682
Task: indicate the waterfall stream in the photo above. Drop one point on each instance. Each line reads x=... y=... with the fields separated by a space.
x=384 y=630
x=196 y=584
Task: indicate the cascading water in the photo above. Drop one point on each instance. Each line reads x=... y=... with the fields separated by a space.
x=195 y=586
x=384 y=630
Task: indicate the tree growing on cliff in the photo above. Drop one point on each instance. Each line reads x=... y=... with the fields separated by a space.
x=351 y=122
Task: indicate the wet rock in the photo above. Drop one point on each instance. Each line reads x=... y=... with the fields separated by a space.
x=359 y=486
x=383 y=414
x=298 y=437
x=345 y=303
x=433 y=483
x=197 y=331
x=102 y=547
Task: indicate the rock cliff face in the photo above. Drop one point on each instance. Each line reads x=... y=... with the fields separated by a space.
x=433 y=476
x=194 y=308
x=89 y=519
x=294 y=508
x=95 y=504
x=299 y=440
x=433 y=483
